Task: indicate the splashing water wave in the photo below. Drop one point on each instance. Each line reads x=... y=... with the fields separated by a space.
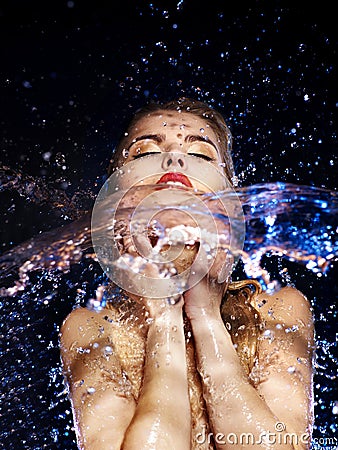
x=293 y=221
x=40 y=288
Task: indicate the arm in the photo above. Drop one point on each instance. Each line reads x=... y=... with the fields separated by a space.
x=162 y=416
x=234 y=404
x=105 y=411
x=102 y=397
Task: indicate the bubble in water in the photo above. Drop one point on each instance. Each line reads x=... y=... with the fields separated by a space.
x=60 y=159
x=335 y=407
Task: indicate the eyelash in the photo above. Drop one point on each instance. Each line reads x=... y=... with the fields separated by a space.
x=140 y=155
x=200 y=155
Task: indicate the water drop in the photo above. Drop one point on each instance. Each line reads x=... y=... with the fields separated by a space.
x=78 y=383
x=168 y=358
x=94 y=304
x=46 y=156
x=60 y=159
x=335 y=407
x=108 y=350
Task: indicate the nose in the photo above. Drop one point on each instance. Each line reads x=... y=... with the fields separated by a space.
x=173 y=161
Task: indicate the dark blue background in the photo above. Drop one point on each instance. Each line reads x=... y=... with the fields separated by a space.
x=72 y=74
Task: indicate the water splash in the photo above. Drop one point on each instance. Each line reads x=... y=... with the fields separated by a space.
x=36 y=191
x=45 y=277
x=295 y=222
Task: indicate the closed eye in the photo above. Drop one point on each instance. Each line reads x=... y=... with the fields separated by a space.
x=201 y=155
x=140 y=155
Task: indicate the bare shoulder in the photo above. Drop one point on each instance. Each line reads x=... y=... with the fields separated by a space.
x=288 y=306
x=285 y=357
x=95 y=371
x=83 y=325
x=85 y=333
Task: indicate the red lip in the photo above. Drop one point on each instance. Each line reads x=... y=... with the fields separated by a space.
x=175 y=177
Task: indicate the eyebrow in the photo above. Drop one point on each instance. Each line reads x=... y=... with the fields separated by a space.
x=154 y=137
x=159 y=138
x=197 y=137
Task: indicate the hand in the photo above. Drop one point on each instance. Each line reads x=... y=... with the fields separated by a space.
x=146 y=280
x=208 y=285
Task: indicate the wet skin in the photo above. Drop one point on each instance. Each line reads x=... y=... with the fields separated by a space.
x=137 y=377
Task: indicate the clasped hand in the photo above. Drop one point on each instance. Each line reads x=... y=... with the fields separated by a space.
x=195 y=271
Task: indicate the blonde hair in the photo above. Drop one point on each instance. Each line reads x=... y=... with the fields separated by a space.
x=242 y=319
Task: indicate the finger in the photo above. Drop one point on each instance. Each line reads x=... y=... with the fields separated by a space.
x=128 y=245
x=143 y=245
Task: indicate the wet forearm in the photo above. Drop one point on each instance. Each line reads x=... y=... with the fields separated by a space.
x=156 y=422
x=234 y=406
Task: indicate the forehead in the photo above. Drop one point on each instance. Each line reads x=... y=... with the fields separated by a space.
x=164 y=122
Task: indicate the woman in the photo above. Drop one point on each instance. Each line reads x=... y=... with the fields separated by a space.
x=225 y=366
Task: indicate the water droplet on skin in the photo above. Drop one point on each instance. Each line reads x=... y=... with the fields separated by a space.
x=108 y=350
x=269 y=334
x=173 y=300
x=82 y=350
x=91 y=390
x=168 y=359
x=78 y=383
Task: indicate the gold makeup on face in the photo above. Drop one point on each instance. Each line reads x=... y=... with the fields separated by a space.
x=164 y=132
x=194 y=146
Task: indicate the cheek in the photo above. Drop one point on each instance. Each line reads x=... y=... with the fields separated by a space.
x=136 y=178
x=210 y=177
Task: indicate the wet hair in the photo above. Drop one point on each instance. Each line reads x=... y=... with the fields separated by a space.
x=242 y=319
x=187 y=105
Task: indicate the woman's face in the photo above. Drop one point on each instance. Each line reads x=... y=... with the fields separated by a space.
x=172 y=147
x=169 y=148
